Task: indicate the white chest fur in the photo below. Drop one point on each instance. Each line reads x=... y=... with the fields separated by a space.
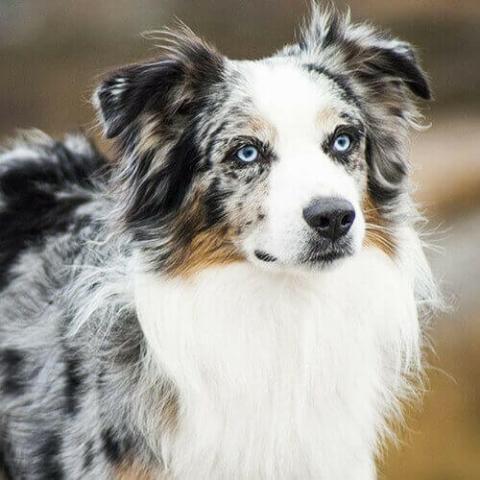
x=281 y=376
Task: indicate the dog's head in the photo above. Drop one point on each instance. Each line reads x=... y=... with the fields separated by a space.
x=293 y=161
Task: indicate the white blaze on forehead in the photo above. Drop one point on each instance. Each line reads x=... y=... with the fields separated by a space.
x=290 y=98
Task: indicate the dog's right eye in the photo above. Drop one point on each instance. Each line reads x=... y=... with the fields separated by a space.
x=342 y=143
x=247 y=154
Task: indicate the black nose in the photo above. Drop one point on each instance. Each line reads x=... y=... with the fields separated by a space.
x=330 y=217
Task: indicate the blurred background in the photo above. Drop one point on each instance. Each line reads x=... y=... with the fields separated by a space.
x=53 y=51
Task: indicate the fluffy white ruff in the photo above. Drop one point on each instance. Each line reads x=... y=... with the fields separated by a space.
x=281 y=376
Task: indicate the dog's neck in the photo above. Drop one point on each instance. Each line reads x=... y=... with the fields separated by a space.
x=279 y=375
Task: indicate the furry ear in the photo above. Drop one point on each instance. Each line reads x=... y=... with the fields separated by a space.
x=363 y=51
x=163 y=86
x=396 y=60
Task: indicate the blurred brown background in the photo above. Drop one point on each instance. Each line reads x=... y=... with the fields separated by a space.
x=52 y=51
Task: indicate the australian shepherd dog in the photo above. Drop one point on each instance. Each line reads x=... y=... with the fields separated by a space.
x=237 y=294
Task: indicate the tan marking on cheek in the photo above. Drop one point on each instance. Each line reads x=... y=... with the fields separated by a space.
x=209 y=247
x=378 y=233
x=212 y=247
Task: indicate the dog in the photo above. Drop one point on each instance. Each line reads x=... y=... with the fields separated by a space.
x=238 y=294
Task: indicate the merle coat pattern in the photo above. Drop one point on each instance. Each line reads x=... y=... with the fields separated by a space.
x=82 y=393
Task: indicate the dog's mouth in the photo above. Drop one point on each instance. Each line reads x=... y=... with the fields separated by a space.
x=326 y=258
x=316 y=256
x=326 y=254
x=264 y=256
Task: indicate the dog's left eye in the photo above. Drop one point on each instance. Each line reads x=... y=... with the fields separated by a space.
x=247 y=154
x=342 y=143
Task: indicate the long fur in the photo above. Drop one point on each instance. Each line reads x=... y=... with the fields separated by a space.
x=171 y=315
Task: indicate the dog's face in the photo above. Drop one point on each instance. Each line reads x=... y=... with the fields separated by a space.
x=287 y=160
x=294 y=161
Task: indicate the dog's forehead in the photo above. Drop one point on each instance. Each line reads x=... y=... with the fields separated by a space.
x=291 y=98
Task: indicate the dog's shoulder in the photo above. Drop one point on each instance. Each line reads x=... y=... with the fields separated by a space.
x=63 y=389
x=43 y=186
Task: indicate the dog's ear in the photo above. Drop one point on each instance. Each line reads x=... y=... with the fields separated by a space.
x=163 y=86
x=363 y=52
x=397 y=60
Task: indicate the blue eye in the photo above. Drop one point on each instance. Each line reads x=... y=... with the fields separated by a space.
x=247 y=154
x=342 y=143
